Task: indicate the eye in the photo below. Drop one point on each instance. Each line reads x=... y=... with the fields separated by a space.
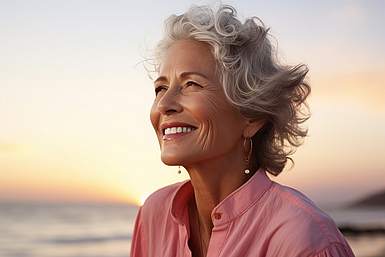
x=192 y=83
x=159 y=88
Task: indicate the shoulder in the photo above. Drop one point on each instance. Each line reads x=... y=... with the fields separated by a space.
x=160 y=199
x=152 y=221
x=302 y=227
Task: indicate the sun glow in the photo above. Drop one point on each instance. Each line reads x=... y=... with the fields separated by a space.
x=143 y=198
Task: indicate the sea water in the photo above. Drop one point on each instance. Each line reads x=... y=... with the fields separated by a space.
x=105 y=230
x=65 y=230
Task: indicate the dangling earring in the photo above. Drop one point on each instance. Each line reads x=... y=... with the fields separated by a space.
x=179 y=171
x=247 y=159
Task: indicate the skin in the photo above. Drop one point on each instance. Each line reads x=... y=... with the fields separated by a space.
x=213 y=155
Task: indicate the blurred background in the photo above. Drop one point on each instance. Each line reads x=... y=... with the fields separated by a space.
x=78 y=154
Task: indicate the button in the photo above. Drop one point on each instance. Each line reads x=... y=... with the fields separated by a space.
x=217 y=215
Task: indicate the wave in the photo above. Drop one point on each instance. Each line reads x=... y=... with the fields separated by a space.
x=87 y=239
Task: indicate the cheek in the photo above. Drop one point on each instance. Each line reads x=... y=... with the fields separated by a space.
x=202 y=109
x=219 y=112
x=226 y=120
x=219 y=122
x=206 y=106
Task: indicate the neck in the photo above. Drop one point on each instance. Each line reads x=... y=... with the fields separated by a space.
x=213 y=180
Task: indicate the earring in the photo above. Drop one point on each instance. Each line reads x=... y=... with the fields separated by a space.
x=179 y=171
x=247 y=159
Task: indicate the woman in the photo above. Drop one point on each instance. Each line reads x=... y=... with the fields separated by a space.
x=226 y=111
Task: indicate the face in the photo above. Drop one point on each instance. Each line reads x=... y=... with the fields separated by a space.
x=188 y=91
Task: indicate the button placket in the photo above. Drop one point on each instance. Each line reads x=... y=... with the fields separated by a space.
x=217 y=240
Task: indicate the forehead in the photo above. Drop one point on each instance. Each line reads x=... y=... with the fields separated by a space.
x=188 y=56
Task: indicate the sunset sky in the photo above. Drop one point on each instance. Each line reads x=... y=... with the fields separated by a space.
x=75 y=98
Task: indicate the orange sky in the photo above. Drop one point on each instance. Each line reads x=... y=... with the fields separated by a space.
x=74 y=103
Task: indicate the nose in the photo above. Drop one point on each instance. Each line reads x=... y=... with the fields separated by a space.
x=170 y=101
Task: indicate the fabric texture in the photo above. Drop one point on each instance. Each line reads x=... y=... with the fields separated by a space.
x=260 y=218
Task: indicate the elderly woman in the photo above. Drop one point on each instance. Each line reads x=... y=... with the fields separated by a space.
x=226 y=111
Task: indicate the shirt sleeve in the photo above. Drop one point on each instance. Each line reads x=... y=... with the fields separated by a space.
x=336 y=250
x=137 y=242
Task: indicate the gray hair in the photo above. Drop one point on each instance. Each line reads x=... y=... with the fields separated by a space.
x=252 y=78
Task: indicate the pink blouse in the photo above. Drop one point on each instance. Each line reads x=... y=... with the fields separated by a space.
x=260 y=218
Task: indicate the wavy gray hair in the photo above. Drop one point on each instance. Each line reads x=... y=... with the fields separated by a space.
x=251 y=77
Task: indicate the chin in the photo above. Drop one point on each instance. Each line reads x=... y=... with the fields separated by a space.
x=176 y=159
x=171 y=160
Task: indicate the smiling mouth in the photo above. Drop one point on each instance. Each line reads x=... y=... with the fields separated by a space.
x=176 y=132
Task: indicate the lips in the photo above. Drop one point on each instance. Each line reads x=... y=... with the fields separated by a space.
x=165 y=125
x=173 y=136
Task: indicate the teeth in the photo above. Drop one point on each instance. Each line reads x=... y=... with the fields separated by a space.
x=175 y=130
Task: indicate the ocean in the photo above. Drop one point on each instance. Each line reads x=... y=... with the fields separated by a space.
x=96 y=230
x=65 y=230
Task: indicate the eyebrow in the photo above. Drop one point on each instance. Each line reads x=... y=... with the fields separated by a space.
x=182 y=75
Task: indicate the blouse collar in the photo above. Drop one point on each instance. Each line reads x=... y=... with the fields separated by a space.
x=229 y=208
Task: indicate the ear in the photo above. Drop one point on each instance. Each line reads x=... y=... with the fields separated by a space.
x=252 y=127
